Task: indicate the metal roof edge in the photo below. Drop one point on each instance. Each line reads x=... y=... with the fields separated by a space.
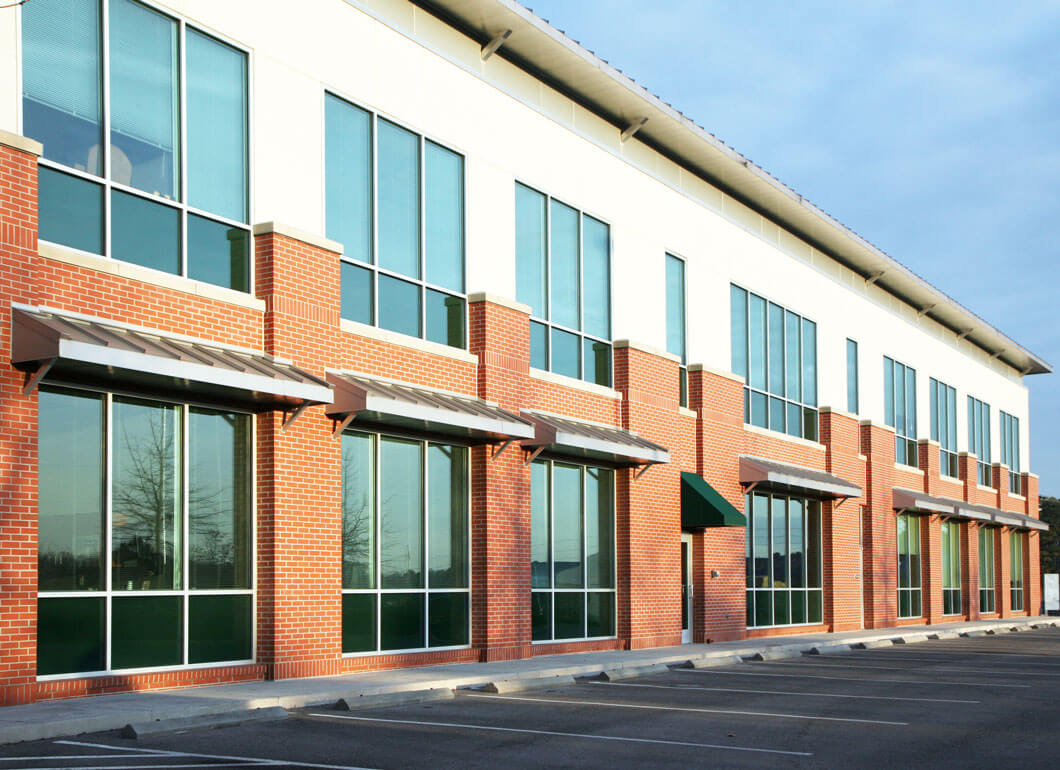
x=738 y=169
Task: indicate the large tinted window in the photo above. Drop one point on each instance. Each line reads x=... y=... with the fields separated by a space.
x=563 y=265
x=395 y=200
x=784 y=561
x=145 y=180
x=178 y=580
x=405 y=544
x=775 y=350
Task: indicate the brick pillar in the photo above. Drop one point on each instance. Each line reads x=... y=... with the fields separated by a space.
x=299 y=469
x=718 y=400
x=18 y=428
x=842 y=524
x=999 y=473
x=881 y=532
x=931 y=568
x=929 y=461
x=648 y=525
x=969 y=537
x=1033 y=559
x=500 y=507
x=968 y=472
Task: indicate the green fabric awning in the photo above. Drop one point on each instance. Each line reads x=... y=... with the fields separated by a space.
x=703 y=506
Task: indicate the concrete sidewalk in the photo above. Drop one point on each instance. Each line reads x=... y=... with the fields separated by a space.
x=58 y=718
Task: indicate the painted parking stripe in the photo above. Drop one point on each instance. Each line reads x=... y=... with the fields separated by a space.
x=262 y=763
x=732 y=712
x=169 y=753
x=912 y=669
x=781 y=692
x=964 y=651
x=620 y=738
x=952 y=658
x=846 y=678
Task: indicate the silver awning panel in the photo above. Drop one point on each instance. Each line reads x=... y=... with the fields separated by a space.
x=795 y=478
x=912 y=500
x=361 y=400
x=68 y=347
x=592 y=441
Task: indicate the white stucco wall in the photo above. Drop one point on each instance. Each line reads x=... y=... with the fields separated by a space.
x=404 y=64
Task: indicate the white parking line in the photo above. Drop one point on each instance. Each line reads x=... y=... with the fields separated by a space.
x=846 y=678
x=943 y=657
x=656 y=741
x=962 y=651
x=160 y=753
x=914 y=669
x=264 y=763
x=690 y=710
x=42 y=757
x=782 y=692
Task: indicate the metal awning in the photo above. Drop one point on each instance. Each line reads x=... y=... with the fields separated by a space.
x=703 y=506
x=989 y=514
x=65 y=347
x=912 y=500
x=370 y=401
x=591 y=441
x=757 y=472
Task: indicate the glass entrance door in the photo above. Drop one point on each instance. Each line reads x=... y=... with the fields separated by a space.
x=686 y=588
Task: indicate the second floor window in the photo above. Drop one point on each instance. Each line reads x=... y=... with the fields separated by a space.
x=775 y=351
x=148 y=165
x=675 y=319
x=899 y=408
x=1010 y=451
x=395 y=201
x=563 y=272
x=852 y=377
x=944 y=425
x=979 y=438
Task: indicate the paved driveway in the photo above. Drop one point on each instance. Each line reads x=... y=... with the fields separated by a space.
x=981 y=702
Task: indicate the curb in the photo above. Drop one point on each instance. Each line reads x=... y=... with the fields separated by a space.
x=505 y=686
x=139 y=730
x=628 y=672
x=401 y=698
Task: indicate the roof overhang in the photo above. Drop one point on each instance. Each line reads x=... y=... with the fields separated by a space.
x=361 y=400
x=591 y=441
x=757 y=472
x=547 y=54
x=920 y=502
x=702 y=506
x=57 y=346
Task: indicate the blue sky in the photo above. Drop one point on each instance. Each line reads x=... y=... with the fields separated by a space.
x=931 y=129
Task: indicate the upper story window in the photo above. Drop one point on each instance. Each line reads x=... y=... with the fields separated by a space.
x=944 y=425
x=144 y=126
x=775 y=351
x=979 y=438
x=395 y=200
x=675 y=319
x=899 y=408
x=563 y=272
x=1010 y=451
x=852 y=377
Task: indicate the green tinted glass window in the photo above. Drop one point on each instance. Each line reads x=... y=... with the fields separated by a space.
x=145 y=233
x=448 y=621
x=358 y=511
x=357 y=294
x=219 y=628
x=146 y=631
x=70 y=211
x=218 y=253
x=70 y=635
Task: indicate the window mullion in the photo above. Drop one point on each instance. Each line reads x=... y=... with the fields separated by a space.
x=425 y=529
x=108 y=402
x=182 y=142
x=105 y=146
x=377 y=527
x=422 y=197
x=185 y=523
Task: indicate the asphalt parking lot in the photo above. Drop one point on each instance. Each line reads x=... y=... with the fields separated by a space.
x=970 y=702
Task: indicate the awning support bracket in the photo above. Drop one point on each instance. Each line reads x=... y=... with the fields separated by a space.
x=341 y=425
x=533 y=455
x=632 y=129
x=642 y=470
x=289 y=416
x=33 y=380
x=842 y=499
x=498 y=452
x=750 y=488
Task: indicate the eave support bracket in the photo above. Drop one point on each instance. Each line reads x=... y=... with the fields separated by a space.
x=498 y=452
x=341 y=425
x=632 y=129
x=491 y=47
